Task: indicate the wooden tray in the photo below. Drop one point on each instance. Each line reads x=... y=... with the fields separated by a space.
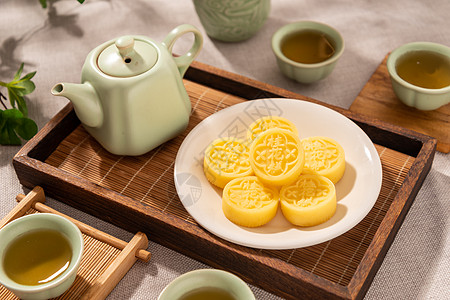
x=105 y=260
x=378 y=100
x=138 y=193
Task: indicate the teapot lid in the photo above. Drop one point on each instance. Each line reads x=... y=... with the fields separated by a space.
x=127 y=57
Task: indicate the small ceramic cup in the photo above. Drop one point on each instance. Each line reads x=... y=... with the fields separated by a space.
x=28 y=223
x=412 y=95
x=303 y=72
x=232 y=21
x=207 y=278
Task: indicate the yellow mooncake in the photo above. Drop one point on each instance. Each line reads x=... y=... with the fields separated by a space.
x=226 y=159
x=323 y=156
x=309 y=201
x=269 y=122
x=247 y=202
x=276 y=156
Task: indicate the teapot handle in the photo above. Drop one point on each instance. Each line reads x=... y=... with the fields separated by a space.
x=185 y=60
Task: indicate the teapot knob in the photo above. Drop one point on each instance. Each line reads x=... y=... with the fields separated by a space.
x=127 y=56
x=125 y=45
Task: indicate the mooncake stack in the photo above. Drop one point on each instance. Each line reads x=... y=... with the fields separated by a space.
x=272 y=168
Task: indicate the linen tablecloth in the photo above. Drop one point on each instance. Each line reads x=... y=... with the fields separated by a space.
x=55 y=41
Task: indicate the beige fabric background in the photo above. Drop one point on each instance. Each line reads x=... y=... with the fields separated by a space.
x=55 y=43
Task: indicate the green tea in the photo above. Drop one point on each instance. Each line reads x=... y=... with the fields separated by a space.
x=308 y=47
x=424 y=69
x=37 y=257
x=208 y=293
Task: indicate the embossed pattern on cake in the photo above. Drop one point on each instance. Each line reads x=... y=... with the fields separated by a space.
x=226 y=159
x=246 y=201
x=309 y=201
x=276 y=156
x=269 y=122
x=323 y=156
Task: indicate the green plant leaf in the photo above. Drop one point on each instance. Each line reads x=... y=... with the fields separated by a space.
x=24 y=87
x=18 y=73
x=13 y=123
x=43 y=3
x=12 y=114
x=2 y=119
x=7 y=134
x=26 y=128
x=8 y=137
x=28 y=76
x=12 y=97
x=17 y=101
x=18 y=88
x=22 y=106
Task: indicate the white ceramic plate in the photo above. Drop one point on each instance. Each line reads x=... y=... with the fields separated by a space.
x=357 y=191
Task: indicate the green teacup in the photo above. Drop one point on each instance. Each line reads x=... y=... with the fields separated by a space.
x=307 y=72
x=232 y=21
x=411 y=94
x=207 y=280
x=55 y=286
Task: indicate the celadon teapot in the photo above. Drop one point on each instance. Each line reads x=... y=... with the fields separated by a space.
x=132 y=98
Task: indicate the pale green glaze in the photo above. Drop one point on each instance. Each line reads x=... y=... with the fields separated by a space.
x=207 y=278
x=232 y=21
x=306 y=73
x=132 y=97
x=415 y=96
x=55 y=287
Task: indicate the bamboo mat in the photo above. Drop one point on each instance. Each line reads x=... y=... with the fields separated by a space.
x=149 y=179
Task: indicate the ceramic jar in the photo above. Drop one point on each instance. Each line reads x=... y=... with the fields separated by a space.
x=232 y=20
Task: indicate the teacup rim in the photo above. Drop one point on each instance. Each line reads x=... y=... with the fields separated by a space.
x=414 y=46
x=222 y=273
x=10 y=284
x=278 y=36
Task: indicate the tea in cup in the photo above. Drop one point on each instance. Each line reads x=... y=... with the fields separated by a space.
x=40 y=255
x=207 y=284
x=420 y=74
x=307 y=51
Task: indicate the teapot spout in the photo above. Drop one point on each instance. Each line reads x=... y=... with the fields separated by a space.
x=85 y=101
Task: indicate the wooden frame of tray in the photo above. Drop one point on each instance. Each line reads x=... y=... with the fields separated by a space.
x=137 y=193
x=105 y=260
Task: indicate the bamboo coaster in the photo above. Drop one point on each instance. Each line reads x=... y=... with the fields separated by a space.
x=105 y=261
